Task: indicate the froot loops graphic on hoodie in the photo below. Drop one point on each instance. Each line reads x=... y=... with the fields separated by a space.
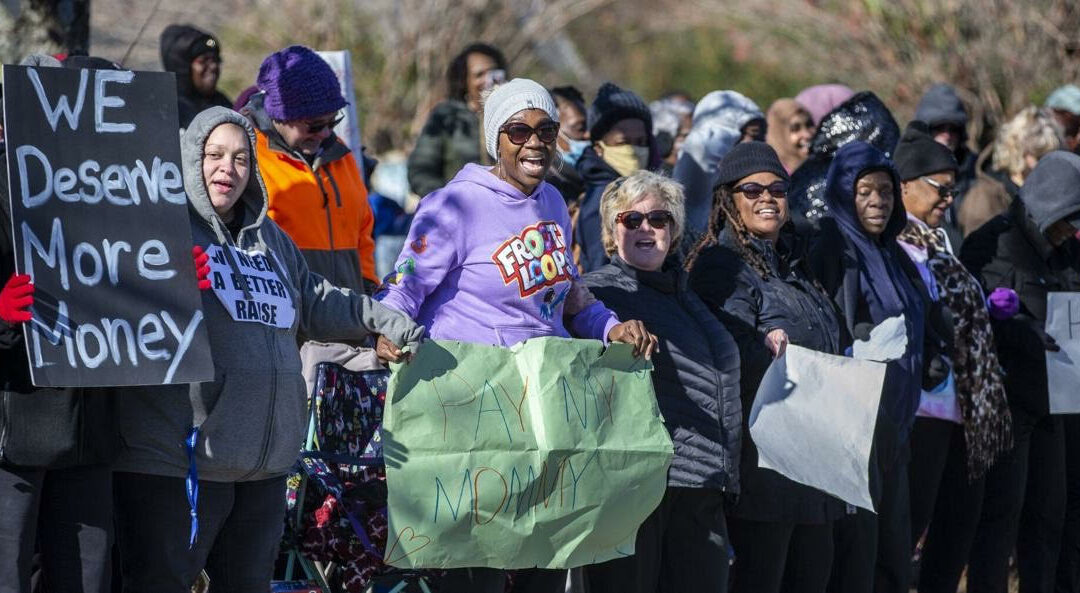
x=536 y=258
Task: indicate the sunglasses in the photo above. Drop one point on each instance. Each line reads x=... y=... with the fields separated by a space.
x=943 y=191
x=753 y=191
x=632 y=219
x=519 y=133
x=316 y=128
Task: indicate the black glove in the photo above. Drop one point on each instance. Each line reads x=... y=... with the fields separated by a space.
x=935 y=371
x=1038 y=335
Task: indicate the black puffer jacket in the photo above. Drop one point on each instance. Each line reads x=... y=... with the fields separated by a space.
x=696 y=374
x=1009 y=251
x=41 y=427
x=789 y=300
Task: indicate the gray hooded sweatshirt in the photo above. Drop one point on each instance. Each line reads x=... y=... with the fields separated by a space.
x=253 y=415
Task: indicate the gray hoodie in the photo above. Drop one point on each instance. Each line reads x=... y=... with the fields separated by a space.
x=1052 y=191
x=253 y=415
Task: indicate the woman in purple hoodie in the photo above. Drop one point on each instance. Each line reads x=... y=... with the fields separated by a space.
x=488 y=261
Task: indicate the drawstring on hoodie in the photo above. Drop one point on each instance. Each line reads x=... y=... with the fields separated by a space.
x=191 y=484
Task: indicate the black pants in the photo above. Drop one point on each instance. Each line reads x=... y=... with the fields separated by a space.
x=240 y=525
x=68 y=513
x=771 y=557
x=493 y=580
x=872 y=552
x=945 y=505
x=1024 y=504
x=681 y=547
x=1068 y=571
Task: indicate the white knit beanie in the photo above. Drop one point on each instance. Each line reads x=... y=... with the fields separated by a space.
x=506 y=100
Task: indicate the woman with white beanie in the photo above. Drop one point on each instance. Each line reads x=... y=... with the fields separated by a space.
x=488 y=261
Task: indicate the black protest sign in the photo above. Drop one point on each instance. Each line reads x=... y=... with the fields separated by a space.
x=100 y=221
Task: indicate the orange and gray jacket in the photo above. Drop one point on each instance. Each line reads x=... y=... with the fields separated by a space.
x=323 y=206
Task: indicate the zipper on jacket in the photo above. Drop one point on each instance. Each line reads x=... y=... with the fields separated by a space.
x=5 y=419
x=329 y=223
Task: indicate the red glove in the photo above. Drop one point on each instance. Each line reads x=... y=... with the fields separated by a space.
x=202 y=267
x=16 y=298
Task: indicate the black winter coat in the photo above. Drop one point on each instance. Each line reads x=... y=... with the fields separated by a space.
x=1009 y=251
x=787 y=299
x=43 y=427
x=696 y=374
x=596 y=174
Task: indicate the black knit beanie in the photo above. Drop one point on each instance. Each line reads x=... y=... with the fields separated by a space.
x=747 y=158
x=919 y=154
x=612 y=105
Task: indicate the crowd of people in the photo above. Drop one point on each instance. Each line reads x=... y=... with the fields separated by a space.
x=709 y=235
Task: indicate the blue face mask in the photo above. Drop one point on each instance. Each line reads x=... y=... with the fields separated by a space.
x=572 y=156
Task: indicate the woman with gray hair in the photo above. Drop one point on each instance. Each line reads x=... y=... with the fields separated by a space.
x=751 y=269
x=682 y=546
x=1003 y=166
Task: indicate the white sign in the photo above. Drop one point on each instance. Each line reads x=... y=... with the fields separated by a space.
x=349 y=128
x=1063 y=367
x=270 y=302
x=888 y=341
x=813 y=421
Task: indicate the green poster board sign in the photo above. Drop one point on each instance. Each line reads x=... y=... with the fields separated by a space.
x=548 y=454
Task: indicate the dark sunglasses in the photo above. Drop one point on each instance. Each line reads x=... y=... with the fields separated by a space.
x=632 y=219
x=753 y=191
x=943 y=191
x=316 y=128
x=519 y=133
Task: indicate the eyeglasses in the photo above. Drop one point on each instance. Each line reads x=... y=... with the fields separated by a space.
x=319 y=127
x=632 y=219
x=519 y=133
x=753 y=191
x=943 y=191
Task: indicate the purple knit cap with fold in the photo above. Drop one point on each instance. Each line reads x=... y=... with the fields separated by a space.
x=298 y=85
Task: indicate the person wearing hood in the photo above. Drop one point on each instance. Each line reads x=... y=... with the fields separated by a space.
x=572 y=141
x=465 y=275
x=721 y=120
x=790 y=130
x=963 y=424
x=316 y=191
x=1064 y=103
x=452 y=137
x=683 y=544
x=672 y=120
x=820 y=99
x=620 y=130
x=863 y=117
x=1033 y=250
x=195 y=57
x=1005 y=164
x=941 y=108
x=56 y=447
x=751 y=269
x=201 y=475
x=867 y=274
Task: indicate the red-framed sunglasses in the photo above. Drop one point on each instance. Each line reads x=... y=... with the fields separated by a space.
x=632 y=219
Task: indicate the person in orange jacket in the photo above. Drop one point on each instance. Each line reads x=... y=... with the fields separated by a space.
x=316 y=191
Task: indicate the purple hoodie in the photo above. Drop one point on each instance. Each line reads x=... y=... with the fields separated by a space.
x=488 y=264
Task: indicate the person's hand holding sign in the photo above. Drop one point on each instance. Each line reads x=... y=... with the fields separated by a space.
x=202 y=267
x=16 y=298
x=777 y=341
x=387 y=351
x=634 y=333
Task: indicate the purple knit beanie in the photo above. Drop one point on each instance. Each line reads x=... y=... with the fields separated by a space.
x=298 y=84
